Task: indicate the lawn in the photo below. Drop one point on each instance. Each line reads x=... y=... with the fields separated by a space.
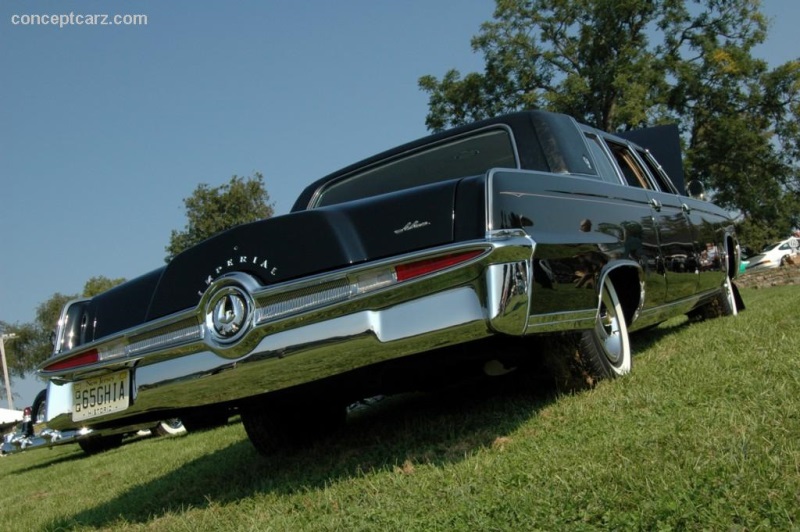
x=704 y=434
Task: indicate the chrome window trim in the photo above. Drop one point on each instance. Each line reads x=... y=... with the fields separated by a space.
x=653 y=161
x=631 y=148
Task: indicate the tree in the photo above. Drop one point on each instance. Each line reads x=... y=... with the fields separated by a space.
x=212 y=210
x=33 y=344
x=586 y=58
x=624 y=65
x=98 y=285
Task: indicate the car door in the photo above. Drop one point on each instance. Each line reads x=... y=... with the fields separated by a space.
x=709 y=224
x=677 y=261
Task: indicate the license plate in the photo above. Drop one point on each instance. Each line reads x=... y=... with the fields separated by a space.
x=101 y=395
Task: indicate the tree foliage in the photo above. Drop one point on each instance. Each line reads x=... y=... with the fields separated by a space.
x=99 y=284
x=211 y=210
x=32 y=344
x=633 y=63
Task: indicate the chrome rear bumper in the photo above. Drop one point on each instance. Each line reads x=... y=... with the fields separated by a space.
x=184 y=361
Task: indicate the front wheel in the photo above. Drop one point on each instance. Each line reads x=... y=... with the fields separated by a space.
x=606 y=348
x=727 y=302
x=730 y=306
x=170 y=427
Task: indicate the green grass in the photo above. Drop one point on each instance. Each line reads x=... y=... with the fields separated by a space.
x=704 y=434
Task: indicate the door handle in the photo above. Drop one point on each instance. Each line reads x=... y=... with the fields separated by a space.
x=686 y=208
x=655 y=204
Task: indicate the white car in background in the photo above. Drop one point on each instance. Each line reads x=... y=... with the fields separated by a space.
x=774 y=255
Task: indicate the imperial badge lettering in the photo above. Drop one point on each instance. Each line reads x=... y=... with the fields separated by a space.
x=240 y=263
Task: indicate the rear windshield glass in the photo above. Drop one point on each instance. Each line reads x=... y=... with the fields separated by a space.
x=471 y=155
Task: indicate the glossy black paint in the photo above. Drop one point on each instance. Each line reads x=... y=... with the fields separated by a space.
x=121 y=307
x=579 y=226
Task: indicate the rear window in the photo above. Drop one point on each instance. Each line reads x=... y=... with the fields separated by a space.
x=470 y=155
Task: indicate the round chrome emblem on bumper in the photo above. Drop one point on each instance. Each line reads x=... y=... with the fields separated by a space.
x=228 y=314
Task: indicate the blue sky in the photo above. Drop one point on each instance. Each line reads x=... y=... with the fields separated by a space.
x=105 y=129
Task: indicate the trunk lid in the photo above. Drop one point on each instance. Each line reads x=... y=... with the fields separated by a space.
x=280 y=249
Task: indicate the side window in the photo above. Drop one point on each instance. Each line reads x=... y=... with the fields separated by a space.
x=660 y=178
x=634 y=174
x=605 y=168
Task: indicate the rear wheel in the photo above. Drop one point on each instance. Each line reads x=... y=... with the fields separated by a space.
x=606 y=349
x=285 y=426
x=204 y=421
x=100 y=444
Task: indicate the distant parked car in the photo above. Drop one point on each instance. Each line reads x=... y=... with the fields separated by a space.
x=774 y=255
x=746 y=251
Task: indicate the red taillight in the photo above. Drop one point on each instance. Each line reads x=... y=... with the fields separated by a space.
x=81 y=359
x=415 y=269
